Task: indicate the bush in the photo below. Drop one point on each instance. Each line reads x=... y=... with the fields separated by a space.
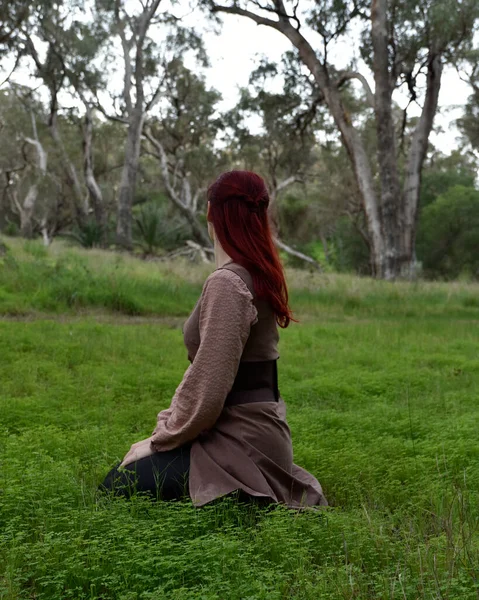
x=11 y=229
x=88 y=235
x=348 y=251
x=155 y=229
x=448 y=235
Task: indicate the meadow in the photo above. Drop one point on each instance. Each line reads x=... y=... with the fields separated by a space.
x=381 y=381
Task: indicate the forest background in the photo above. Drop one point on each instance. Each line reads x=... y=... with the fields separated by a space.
x=111 y=132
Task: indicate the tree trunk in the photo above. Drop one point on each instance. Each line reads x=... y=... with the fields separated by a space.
x=200 y=233
x=417 y=153
x=26 y=212
x=351 y=140
x=394 y=256
x=128 y=180
x=391 y=223
x=96 y=197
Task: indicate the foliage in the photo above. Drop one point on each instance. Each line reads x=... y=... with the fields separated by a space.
x=445 y=172
x=157 y=230
x=284 y=145
x=349 y=252
x=469 y=122
x=89 y=234
x=448 y=238
x=370 y=378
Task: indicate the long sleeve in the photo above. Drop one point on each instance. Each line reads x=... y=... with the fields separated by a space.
x=226 y=315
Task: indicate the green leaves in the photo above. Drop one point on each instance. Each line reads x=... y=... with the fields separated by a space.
x=448 y=237
x=157 y=230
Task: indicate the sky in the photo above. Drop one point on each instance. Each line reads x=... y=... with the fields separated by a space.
x=235 y=52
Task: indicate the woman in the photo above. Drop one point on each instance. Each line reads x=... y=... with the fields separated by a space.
x=225 y=431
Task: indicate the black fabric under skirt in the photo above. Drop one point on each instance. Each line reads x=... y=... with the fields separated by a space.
x=162 y=475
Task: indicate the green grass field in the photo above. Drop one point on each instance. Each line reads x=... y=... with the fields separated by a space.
x=382 y=387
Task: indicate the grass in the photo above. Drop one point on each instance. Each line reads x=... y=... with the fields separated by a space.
x=382 y=387
x=63 y=280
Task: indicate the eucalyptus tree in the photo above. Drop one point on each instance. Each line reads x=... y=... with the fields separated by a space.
x=23 y=158
x=182 y=138
x=281 y=151
x=35 y=195
x=148 y=38
x=59 y=45
x=78 y=48
x=403 y=43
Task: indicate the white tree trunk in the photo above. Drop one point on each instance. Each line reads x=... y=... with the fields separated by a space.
x=27 y=209
x=128 y=180
x=417 y=153
x=136 y=111
x=96 y=197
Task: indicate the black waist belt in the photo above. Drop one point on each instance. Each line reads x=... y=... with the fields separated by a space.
x=254 y=382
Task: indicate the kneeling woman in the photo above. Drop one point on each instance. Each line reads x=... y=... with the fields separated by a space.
x=226 y=430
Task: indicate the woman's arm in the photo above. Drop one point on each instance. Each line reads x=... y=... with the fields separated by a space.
x=226 y=315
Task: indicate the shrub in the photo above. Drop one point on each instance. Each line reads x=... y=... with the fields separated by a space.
x=156 y=230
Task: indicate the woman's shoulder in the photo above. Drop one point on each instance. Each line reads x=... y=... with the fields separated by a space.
x=239 y=273
x=226 y=281
x=226 y=291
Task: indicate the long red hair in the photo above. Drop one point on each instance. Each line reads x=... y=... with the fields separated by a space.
x=239 y=203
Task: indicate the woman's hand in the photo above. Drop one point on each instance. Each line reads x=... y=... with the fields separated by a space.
x=140 y=450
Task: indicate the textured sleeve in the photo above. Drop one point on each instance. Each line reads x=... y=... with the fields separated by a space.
x=226 y=315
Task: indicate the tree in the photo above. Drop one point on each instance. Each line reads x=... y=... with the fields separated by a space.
x=283 y=150
x=182 y=139
x=59 y=45
x=24 y=164
x=75 y=49
x=469 y=122
x=144 y=62
x=402 y=42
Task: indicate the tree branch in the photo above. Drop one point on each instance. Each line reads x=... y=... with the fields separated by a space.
x=347 y=75
x=286 y=182
x=233 y=10
x=296 y=253
x=164 y=167
x=126 y=46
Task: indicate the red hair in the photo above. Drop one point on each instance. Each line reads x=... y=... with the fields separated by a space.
x=238 y=211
